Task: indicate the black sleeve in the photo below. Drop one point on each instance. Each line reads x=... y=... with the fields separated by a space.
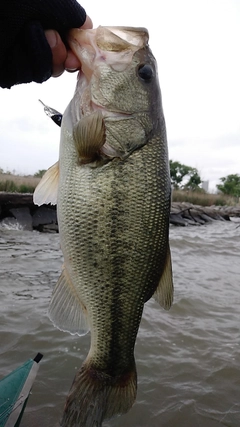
x=25 y=54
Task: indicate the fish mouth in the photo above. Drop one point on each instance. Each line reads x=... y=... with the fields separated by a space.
x=114 y=46
x=99 y=42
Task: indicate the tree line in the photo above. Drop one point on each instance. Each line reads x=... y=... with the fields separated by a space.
x=185 y=177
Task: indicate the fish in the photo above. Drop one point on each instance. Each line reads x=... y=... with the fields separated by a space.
x=113 y=194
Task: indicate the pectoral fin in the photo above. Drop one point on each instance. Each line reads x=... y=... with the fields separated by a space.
x=66 y=309
x=89 y=136
x=164 y=292
x=46 y=190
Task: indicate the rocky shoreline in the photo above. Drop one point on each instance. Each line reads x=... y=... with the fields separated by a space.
x=183 y=214
x=19 y=209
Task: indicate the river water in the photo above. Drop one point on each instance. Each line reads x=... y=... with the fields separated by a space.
x=188 y=359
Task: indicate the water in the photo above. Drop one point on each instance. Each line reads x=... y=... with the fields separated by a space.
x=188 y=359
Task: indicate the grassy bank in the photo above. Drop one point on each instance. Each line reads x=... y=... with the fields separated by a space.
x=26 y=184
x=203 y=199
x=18 y=184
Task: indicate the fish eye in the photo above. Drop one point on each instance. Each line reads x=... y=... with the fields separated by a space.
x=145 y=72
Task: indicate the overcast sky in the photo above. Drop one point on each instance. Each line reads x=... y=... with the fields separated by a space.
x=196 y=44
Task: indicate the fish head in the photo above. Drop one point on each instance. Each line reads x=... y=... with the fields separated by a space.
x=118 y=84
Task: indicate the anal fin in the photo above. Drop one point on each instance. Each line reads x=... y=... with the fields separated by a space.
x=66 y=309
x=164 y=292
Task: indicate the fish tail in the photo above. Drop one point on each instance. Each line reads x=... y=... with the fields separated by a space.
x=95 y=396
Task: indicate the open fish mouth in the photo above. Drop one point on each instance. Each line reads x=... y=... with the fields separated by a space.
x=103 y=43
x=114 y=46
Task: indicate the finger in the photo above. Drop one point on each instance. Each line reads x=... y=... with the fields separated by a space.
x=59 y=52
x=87 y=24
x=72 y=63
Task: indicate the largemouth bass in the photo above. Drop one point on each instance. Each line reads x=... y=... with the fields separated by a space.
x=112 y=189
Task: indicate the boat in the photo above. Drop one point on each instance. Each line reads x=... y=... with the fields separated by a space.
x=14 y=392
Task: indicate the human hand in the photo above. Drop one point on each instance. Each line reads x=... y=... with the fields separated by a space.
x=63 y=58
x=32 y=39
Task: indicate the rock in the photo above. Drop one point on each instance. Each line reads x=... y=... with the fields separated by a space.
x=206 y=217
x=197 y=215
x=176 y=219
x=50 y=228
x=14 y=200
x=23 y=217
x=44 y=215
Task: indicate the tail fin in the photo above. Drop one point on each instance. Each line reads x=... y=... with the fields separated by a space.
x=95 y=396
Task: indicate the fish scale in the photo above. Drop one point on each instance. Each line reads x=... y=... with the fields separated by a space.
x=118 y=242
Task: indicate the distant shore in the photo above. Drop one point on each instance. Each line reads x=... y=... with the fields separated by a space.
x=18 y=208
